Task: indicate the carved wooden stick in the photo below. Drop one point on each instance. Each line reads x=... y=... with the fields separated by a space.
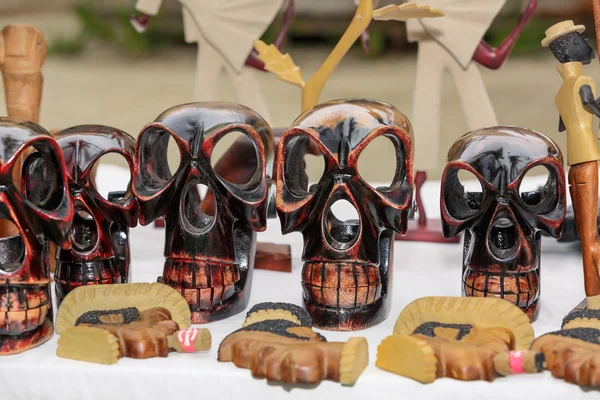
x=22 y=53
x=583 y=184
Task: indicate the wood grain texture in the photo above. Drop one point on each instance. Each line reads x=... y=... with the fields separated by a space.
x=583 y=185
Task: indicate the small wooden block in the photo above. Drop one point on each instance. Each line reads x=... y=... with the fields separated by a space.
x=273 y=257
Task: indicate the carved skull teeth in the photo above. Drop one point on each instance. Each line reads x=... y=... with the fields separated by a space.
x=522 y=288
x=23 y=308
x=204 y=284
x=341 y=285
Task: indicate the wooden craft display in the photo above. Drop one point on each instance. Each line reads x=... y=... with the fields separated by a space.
x=41 y=208
x=276 y=342
x=209 y=257
x=101 y=324
x=225 y=32
x=453 y=337
x=576 y=104
x=100 y=231
x=452 y=44
x=347 y=272
x=502 y=223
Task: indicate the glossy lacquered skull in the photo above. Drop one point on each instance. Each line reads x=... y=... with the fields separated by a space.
x=347 y=264
x=209 y=258
x=502 y=221
x=40 y=206
x=99 y=232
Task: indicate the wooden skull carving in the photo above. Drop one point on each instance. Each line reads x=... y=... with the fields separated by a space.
x=502 y=223
x=209 y=258
x=41 y=208
x=99 y=233
x=347 y=265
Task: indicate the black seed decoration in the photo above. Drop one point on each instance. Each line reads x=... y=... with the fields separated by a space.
x=278 y=327
x=298 y=311
x=427 y=329
x=590 y=335
x=130 y=314
x=586 y=314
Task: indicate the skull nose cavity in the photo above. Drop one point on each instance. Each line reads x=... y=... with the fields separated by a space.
x=342 y=225
x=503 y=237
x=198 y=211
x=84 y=231
x=12 y=251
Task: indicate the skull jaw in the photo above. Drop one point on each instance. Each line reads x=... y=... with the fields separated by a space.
x=70 y=275
x=520 y=288
x=208 y=302
x=19 y=343
x=346 y=295
x=348 y=319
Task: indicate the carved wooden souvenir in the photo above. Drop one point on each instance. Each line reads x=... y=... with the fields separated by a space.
x=347 y=272
x=573 y=352
x=502 y=224
x=100 y=230
x=276 y=342
x=101 y=324
x=283 y=66
x=453 y=44
x=22 y=54
x=41 y=208
x=576 y=103
x=453 y=337
x=224 y=33
x=209 y=258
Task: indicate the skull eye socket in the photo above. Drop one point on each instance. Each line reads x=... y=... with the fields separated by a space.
x=238 y=155
x=342 y=224
x=304 y=165
x=159 y=158
x=537 y=189
x=116 y=187
x=383 y=148
x=41 y=180
x=463 y=193
x=198 y=217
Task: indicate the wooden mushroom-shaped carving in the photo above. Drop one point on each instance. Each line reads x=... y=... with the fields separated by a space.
x=453 y=337
x=102 y=323
x=276 y=342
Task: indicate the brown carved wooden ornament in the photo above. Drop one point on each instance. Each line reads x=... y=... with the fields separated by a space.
x=276 y=342
x=502 y=223
x=209 y=258
x=347 y=265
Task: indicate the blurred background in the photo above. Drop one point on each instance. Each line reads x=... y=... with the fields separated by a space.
x=100 y=70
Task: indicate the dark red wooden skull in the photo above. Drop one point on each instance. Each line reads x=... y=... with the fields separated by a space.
x=502 y=222
x=347 y=264
x=209 y=258
x=40 y=207
x=100 y=228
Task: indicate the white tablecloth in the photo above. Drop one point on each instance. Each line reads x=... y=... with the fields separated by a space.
x=420 y=269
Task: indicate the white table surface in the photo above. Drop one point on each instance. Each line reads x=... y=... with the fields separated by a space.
x=420 y=269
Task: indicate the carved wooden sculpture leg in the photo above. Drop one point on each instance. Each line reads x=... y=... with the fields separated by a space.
x=277 y=343
x=458 y=338
x=153 y=334
x=583 y=184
